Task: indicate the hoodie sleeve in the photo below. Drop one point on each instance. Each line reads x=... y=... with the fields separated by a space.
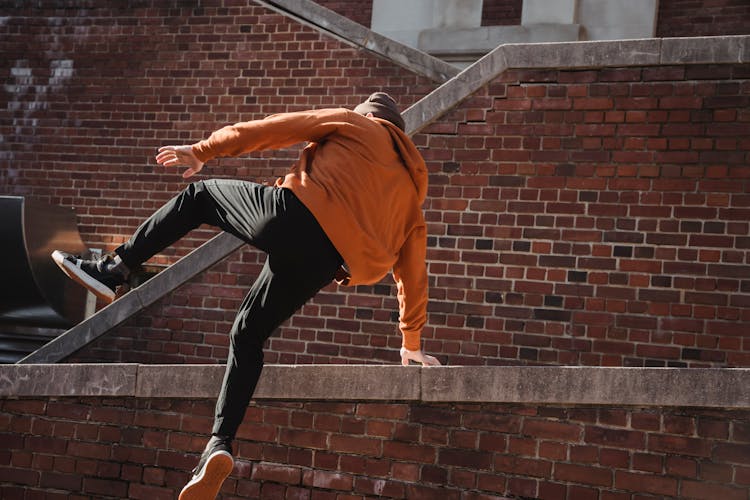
x=274 y=132
x=410 y=273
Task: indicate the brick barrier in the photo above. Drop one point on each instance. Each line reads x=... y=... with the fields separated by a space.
x=361 y=432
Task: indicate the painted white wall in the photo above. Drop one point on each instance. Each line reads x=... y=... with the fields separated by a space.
x=549 y=11
x=403 y=20
x=450 y=28
x=616 y=19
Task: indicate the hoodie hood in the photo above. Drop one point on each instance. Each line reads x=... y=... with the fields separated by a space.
x=411 y=156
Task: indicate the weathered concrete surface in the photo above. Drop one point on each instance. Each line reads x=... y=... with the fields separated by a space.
x=725 y=388
x=681 y=387
x=68 y=380
x=613 y=53
x=177 y=381
x=404 y=21
x=346 y=382
x=287 y=382
x=704 y=50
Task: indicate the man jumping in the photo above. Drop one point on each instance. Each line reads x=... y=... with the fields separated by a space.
x=349 y=209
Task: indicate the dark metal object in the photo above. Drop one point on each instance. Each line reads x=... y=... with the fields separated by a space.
x=33 y=291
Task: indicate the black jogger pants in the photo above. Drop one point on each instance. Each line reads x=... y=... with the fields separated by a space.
x=300 y=261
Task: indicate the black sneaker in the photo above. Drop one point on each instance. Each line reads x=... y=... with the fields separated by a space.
x=214 y=467
x=101 y=276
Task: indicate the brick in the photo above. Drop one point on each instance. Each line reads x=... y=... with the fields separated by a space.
x=53 y=480
x=358 y=445
x=615 y=437
x=307 y=439
x=593 y=476
x=411 y=452
x=648 y=483
x=713 y=428
x=551 y=430
x=676 y=424
x=105 y=487
x=420 y=492
x=277 y=473
x=476 y=460
x=648 y=462
x=716 y=472
x=680 y=445
x=732 y=452
x=522 y=487
x=709 y=491
x=328 y=480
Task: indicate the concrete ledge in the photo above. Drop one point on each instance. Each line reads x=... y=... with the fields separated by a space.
x=574 y=55
x=589 y=385
x=288 y=382
x=68 y=380
x=681 y=387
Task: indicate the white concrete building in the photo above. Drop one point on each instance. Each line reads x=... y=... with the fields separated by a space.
x=451 y=29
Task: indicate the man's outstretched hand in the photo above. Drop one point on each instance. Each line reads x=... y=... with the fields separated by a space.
x=180 y=156
x=419 y=357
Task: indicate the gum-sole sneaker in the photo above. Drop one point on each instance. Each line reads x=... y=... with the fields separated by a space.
x=207 y=483
x=70 y=265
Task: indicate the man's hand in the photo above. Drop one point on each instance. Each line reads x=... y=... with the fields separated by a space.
x=417 y=356
x=180 y=156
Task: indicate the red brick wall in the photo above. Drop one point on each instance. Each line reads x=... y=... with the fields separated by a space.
x=594 y=217
x=703 y=18
x=575 y=218
x=143 y=449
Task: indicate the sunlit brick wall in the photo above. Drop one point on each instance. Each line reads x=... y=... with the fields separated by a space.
x=107 y=448
x=590 y=217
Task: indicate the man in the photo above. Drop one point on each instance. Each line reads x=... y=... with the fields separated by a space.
x=349 y=209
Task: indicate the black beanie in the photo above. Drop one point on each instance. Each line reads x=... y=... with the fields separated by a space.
x=381 y=105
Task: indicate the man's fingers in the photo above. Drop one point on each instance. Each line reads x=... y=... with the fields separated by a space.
x=165 y=152
x=430 y=361
x=418 y=357
x=166 y=157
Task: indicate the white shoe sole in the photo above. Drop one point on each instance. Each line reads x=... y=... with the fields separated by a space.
x=82 y=278
x=206 y=485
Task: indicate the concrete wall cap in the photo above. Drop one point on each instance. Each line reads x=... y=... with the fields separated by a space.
x=683 y=387
x=704 y=50
x=68 y=380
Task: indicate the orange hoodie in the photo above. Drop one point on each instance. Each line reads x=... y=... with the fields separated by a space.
x=364 y=181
